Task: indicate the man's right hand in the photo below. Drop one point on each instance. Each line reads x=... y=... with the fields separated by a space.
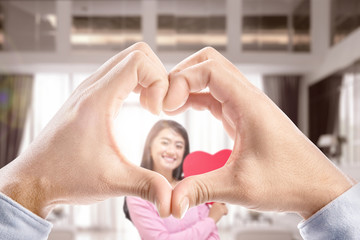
x=273 y=166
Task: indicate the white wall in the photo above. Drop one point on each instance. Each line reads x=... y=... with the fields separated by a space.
x=337 y=57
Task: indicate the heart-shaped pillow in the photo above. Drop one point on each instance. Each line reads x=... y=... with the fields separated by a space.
x=200 y=162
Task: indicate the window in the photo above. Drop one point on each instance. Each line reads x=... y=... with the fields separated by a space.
x=345 y=18
x=37 y=21
x=190 y=25
x=301 y=27
x=112 y=25
x=349 y=116
x=276 y=25
x=265 y=33
x=105 y=32
x=334 y=110
x=356 y=112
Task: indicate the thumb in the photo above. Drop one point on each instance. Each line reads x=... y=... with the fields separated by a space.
x=160 y=193
x=194 y=190
x=150 y=186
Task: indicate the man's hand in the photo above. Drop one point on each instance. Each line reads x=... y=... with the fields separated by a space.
x=273 y=166
x=75 y=159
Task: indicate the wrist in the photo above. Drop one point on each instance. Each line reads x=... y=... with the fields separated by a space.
x=328 y=191
x=215 y=218
x=27 y=190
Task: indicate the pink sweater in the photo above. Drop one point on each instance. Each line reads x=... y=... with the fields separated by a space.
x=195 y=225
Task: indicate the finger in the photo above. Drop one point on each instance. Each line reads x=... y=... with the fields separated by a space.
x=113 y=61
x=132 y=180
x=213 y=57
x=203 y=55
x=156 y=189
x=136 y=69
x=153 y=93
x=200 y=101
x=205 y=101
x=137 y=89
x=140 y=46
x=196 y=78
x=224 y=86
x=202 y=188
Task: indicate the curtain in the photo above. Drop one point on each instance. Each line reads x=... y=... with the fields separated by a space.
x=356 y=111
x=324 y=99
x=284 y=91
x=15 y=97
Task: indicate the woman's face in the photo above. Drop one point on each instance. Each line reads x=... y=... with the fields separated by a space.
x=167 y=151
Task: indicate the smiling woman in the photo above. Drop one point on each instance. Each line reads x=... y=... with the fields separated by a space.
x=165 y=149
x=167 y=152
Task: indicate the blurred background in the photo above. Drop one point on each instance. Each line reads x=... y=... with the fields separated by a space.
x=304 y=54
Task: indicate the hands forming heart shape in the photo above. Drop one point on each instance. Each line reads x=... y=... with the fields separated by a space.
x=76 y=160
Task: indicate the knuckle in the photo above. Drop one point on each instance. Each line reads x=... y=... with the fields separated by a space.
x=207 y=53
x=136 y=55
x=135 y=58
x=202 y=192
x=212 y=64
x=209 y=50
x=143 y=190
x=142 y=46
x=179 y=76
x=172 y=75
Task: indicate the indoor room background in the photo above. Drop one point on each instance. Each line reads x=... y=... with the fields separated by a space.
x=304 y=54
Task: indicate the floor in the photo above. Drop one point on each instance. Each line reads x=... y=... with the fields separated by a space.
x=280 y=227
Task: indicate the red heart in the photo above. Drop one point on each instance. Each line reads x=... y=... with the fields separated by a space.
x=201 y=162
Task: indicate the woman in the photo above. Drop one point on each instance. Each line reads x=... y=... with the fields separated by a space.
x=165 y=150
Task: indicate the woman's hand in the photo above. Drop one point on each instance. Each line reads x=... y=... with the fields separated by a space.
x=273 y=166
x=75 y=159
x=217 y=211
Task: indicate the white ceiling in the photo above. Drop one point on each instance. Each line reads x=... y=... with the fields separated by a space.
x=33 y=7
x=180 y=7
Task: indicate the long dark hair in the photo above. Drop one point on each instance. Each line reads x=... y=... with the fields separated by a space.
x=147 y=161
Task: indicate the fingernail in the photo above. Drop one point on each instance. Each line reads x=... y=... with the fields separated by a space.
x=184 y=206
